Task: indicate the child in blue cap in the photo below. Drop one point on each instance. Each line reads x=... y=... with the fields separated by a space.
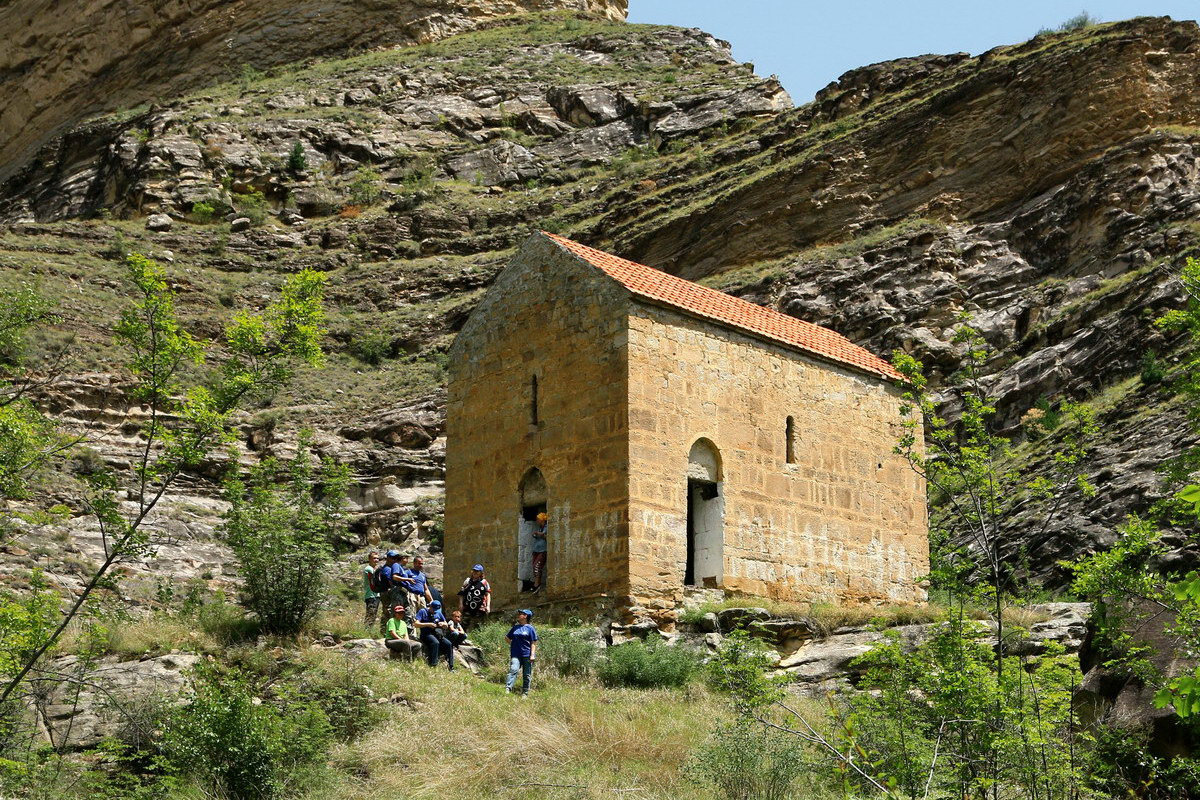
x=522 y=649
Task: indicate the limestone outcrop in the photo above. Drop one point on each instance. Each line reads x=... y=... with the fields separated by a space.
x=62 y=62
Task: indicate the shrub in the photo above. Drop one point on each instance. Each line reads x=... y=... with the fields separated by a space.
x=337 y=687
x=647 y=666
x=745 y=761
x=1152 y=369
x=567 y=652
x=238 y=746
x=280 y=525
x=253 y=206
x=297 y=162
x=364 y=187
x=1076 y=23
x=490 y=639
x=372 y=348
x=203 y=212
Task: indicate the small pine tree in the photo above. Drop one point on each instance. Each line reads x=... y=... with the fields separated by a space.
x=297 y=162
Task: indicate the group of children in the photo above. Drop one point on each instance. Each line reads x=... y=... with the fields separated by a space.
x=413 y=609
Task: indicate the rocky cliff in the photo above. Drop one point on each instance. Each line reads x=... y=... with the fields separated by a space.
x=1045 y=188
x=61 y=62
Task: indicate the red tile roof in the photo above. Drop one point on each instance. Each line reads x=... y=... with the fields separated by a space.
x=692 y=298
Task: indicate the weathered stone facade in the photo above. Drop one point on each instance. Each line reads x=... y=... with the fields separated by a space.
x=844 y=522
x=662 y=442
x=550 y=317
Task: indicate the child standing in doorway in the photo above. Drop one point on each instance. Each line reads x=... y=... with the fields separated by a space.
x=539 y=550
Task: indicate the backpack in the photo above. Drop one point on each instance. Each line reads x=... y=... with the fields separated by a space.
x=381 y=580
x=473 y=592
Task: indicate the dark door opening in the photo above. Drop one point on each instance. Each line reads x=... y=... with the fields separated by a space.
x=533 y=500
x=528 y=523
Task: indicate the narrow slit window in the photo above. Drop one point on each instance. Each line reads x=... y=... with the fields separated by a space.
x=790 y=437
x=533 y=401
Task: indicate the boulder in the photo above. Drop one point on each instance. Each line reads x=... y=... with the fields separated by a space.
x=240 y=224
x=731 y=618
x=785 y=635
x=158 y=222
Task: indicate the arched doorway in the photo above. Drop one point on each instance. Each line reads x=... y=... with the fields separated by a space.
x=705 y=517
x=532 y=495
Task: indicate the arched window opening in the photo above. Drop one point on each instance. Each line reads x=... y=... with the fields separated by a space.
x=533 y=500
x=533 y=401
x=704 y=563
x=790 y=438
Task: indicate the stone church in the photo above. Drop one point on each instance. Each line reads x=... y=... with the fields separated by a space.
x=675 y=436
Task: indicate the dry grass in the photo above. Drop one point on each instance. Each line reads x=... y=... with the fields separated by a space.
x=828 y=617
x=345 y=622
x=467 y=738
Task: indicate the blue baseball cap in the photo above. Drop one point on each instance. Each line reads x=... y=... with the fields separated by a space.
x=393 y=553
x=527 y=612
x=436 y=604
x=478 y=567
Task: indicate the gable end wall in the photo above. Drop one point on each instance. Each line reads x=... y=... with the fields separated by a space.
x=846 y=523
x=550 y=315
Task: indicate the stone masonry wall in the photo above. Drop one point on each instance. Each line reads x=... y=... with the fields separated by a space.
x=551 y=316
x=846 y=523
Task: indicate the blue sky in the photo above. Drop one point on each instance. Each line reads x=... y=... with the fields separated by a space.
x=808 y=44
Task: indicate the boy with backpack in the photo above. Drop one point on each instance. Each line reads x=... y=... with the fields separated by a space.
x=370 y=593
x=381 y=583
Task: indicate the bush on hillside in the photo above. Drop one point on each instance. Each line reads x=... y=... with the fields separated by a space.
x=281 y=524
x=745 y=761
x=567 y=652
x=647 y=666
x=237 y=746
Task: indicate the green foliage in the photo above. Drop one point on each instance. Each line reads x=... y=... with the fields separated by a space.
x=239 y=747
x=340 y=689
x=1123 y=581
x=265 y=348
x=740 y=670
x=27 y=441
x=372 y=347
x=647 y=666
x=1125 y=765
x=365 y=187
x=227 y=624
x=973 y=470
x=567 y=652
x=1152 y=370
x=1078 y=22
x=27 y=438
x=282 y=521
x=26 y=620
x=185 y=422
x=252 y=206
x=297 y=162
x=210 y=210
x=975 y=727
x=21 y=309
x=744 y=761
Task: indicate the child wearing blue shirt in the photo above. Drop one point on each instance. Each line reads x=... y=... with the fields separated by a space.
x=522 y=649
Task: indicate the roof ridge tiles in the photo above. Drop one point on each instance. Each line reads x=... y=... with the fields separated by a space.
x=725 y=309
